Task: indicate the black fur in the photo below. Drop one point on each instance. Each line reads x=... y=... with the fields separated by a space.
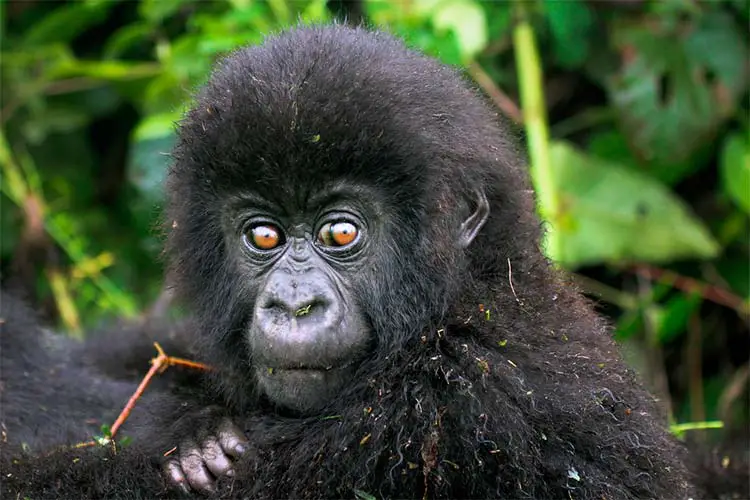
x=51 y=392
x=56 y=391
x=491 y=376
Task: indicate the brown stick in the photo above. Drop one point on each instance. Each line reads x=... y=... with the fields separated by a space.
x=501 y=100
x=158 y=364
x=711 y=293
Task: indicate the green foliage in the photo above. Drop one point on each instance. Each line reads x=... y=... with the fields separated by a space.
x=610 y=214
x=635 y=117
x=466 y=19
x=570 y=23
x=735 y=169
x=676 y=86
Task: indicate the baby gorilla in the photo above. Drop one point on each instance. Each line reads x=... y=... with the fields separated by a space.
x=353 y=231
x=354 y=235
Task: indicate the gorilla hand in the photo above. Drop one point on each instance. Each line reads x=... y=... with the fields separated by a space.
x=197 y=464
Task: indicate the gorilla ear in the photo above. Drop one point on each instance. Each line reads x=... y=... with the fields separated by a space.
x=471 y=226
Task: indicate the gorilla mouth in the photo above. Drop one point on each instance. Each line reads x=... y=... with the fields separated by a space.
x=303 y=388
x=302 y=367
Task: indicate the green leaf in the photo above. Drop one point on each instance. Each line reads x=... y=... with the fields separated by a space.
x=570 y=22
x=315 y=11
x=126 y=37
x=155 y=11
x=66 y=22
x=611 y=213
x=107 y=70
x=674 y=315
x=156 y=126
x=735 y=169
x=612 y=145
x=677 y=86
x=466 y=19
x=363 y=495
x=735 y=271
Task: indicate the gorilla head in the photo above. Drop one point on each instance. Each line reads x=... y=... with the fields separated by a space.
x=323 y=208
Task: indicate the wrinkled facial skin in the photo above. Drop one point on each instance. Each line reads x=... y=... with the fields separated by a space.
x=307 y=332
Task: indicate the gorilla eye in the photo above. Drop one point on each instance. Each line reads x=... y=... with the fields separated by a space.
x=265 y=237
x=337 y=234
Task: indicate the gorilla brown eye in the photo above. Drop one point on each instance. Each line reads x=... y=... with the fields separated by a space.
x=265 y=237
x=337 y=234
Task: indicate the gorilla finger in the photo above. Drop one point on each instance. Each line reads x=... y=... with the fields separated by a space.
x=232 y=439
x=198 y=476
x=215 y=459
x=175 y=476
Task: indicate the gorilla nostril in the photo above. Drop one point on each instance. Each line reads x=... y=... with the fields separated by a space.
x=275 y=306
x=297 y=309
x=313 y=306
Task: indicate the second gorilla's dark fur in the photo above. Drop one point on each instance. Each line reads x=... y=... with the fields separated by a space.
x=489 y=376
x=56 y=391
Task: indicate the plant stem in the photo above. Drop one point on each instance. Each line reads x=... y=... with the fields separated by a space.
x=534 y=108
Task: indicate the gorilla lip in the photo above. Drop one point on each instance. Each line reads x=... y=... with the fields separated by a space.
x=327 y=368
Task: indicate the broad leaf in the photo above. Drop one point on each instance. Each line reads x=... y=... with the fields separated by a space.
x=672 y=319
x=67 y=21
x=677 y=85
x=612 y=145
x=467 y=21
x=610 y=213
x=570 y=22
x=735 y=170
x=155 y=11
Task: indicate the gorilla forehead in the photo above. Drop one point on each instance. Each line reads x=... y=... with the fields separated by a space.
x=305 y=108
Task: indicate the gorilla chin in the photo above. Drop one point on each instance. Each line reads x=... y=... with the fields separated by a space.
x=302 y=390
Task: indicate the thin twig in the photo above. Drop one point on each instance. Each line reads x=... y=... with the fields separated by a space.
x=501 y=100
x=733 y=391
x=158 y=365
x=711 y=293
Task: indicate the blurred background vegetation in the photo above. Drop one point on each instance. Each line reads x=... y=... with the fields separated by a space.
x=635 y=115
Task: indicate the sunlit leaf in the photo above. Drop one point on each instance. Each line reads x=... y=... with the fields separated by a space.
x=315 y=11
x=611 y=213
x=108 y=70
x=156 y=126
x=735 y=169
x=467 y=21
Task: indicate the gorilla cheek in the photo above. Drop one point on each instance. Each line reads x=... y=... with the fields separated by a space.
x=306 y=339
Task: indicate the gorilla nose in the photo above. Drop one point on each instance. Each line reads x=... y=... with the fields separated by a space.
x=298 y=307
x=308 y=301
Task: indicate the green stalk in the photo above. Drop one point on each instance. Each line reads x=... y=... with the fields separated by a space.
x=530 y=78
x=680 y=429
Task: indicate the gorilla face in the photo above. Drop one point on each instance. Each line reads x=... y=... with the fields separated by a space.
x=308 y=332
x=309 y=266
x=323 y=216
